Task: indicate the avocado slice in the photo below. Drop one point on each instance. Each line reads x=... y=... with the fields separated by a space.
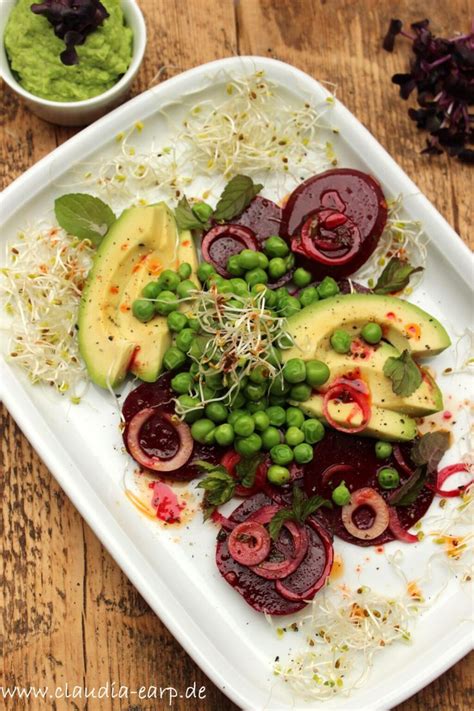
x=404 y=325
x=138 y=246
x=383 y=424
x=426 y=400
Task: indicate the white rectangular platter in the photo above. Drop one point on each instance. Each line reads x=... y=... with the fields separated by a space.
x=81 y=445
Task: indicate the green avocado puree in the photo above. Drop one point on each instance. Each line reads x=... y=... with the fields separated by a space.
x=33 y=50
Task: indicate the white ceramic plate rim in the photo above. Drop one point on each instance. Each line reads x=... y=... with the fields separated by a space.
x=181 y=624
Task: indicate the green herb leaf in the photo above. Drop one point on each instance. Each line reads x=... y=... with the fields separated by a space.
x=395 y=277
x=238 y=193
x=246 y=469
x=84 y=216
x=404 y=374
x=219 y=486
x=429 y=450
x=186 y=219
x=408 y=493
x=301 y=508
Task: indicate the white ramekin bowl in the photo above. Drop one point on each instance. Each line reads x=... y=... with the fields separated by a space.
x=79 y=113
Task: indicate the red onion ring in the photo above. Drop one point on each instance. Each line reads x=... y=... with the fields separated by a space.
x=359 y=398
x=397 y=529
x=400 y=460
x=445 y=474
x=155 y=463
x=312 y=247
x=240 y=234
x=366 y=497
x=220 y=520
x=335 y=469
x=249 y=543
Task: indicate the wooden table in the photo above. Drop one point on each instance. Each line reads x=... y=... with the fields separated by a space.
x=69 y=614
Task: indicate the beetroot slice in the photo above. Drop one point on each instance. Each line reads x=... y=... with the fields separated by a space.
x=261 y=593
x=157 y=440
x=263 y=217
x=353 y=193
x=223 y=241
x=359 y=453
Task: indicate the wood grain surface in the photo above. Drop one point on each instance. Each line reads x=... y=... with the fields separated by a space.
x=68 y=614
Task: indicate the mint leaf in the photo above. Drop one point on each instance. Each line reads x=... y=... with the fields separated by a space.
x=395 y=277
x=238 y=193
x=186 y=219
x=84 y=216
x=429 y=450
x=404 y=374
x=313 y=504
x=277 y=521
x=246 y=469
x=301 y=508
x=408 y=493
x=219 y=486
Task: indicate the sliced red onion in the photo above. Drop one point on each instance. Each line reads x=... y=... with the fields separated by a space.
x=361 y=399
x=444 y=474
x=371 y=498
x=397 y=529
x=155 y=463
x=249 y=543
x=400 y=460
x=226 y=234
x=335 y=469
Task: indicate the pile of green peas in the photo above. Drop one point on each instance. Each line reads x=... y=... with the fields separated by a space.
x=163 y=295
x=341 y=341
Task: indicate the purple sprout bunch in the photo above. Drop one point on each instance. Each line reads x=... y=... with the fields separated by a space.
x=72 y=21
x=442 y=72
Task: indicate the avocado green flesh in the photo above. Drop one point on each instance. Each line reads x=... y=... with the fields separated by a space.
x=404 y=325
x=140 y=244
x=383 y=424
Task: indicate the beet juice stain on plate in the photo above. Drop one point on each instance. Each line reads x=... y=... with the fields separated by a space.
x=165 y=502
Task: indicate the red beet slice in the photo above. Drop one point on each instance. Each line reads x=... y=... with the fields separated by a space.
x=338 y=448
x=263 y=217
x=223 y=241
x=155 y=438
x=261 y=593
x=344 y=191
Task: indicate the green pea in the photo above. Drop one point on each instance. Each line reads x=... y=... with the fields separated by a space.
x=259 y=374
x=270 y=298
x=248 y=446
x=303 y=453
x=300 y=392
x=224 y=435
x=279 y=386
x=202 y=429
x=279 y=400
x=185 y=270
x=258 y=289
x=340 y=341
x=257 y=406
x=328 y=287
x=244 y=425
x=281 y=454
x=239 y=400
x=225 y=287
x=301 y=277
x=285 y=341
x=176 y=321
x=290 y=306
x=169 y=280
x=216 y=411
x=193 y=368
x=234 y=304
x=205 y=270
x=371 y=333
x=294 y=417
x=278 y=475
x=308 y=296
x=274 y=355
x=275 y=246
x=166 y=303
x=341 y=495
x=182 y=383
x=294 y=371
x=233 y=266
x=290 y=262
x=388 y=478
x=254 y=391
x=313 y=431
x=262 y=421
x=173 y=358
x=215 y=280
x=276 y=415
x=203 y=211
x=248 y=259
x=276 y=268
x=214 y=380
x=187 y=402
x=151 y=290
x=194 y=324
x=234 y=416
x=383 y=450
x=184 y=339
x=270 y=438
x=239 y=287
x=197 y=346
x=294 y=436
x=256 y=276
x=317 y=373
x=143 y=310
x=207 y=393
x=262 y=260
x=186 y=288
